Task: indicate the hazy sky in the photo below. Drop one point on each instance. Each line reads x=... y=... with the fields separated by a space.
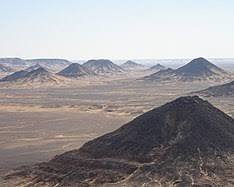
x=116 y=29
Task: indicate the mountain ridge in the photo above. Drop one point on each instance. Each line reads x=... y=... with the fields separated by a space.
x=51 y=63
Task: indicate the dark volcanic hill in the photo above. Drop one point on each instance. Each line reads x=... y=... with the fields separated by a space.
x=14 y=76
x=131 y=65
x=75 y=70
x=220 y=90
x=197 y=69
x=20 y=74
x=200 y=67
x=39 y=75
x=102 y=66
x=187 y=142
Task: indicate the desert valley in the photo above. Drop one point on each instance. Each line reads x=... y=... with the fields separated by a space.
x=51 y=109
x=116 y=93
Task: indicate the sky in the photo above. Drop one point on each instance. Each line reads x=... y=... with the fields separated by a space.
x=117 y=29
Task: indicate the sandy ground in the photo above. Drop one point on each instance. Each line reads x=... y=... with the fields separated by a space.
x=29 y=137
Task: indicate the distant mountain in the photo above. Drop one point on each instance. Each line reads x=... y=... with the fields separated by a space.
x=187 y=142
x=5 y=69
x=131 y=65
x=39 y=75
x=76 y=70
x=200 y=67
x=157 y=67
x=220 y=90
x=56 y=64
x=13 y=62
x=102 y=66
x=197 y=69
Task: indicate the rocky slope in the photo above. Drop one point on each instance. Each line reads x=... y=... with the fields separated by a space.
x=220 y=90
x=187 y=142
x=5 y=69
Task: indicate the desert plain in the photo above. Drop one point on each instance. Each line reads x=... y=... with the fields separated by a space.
x=38 y=123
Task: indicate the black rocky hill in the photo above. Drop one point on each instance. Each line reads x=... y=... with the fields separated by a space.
x=39 y=75
x=187 y=142
x=184 y=125
x=76 y=70
x=102 y=66
x=197 y=69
